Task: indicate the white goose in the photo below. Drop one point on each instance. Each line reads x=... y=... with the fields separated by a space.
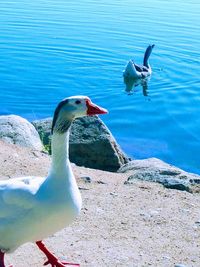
x=135 y=71
x=33 y=208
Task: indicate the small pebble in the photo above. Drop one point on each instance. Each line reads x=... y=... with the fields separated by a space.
x=101 y=182
x=165 y=257
x=82 y=188
x=86 y=179
x=113 y=194
x=197 y=223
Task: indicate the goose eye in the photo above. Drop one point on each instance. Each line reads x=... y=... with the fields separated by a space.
x=77 y=102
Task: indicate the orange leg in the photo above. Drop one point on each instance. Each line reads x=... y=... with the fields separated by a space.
x=51 y=259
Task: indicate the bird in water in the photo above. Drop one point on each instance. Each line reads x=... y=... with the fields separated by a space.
x=135 y=71
x=33 y=208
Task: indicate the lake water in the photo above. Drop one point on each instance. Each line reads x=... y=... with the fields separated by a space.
x=52 y=49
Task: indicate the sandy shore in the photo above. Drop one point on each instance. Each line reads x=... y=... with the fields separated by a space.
x=136 y=225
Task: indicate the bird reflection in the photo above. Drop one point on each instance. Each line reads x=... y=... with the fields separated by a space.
x=132 y=83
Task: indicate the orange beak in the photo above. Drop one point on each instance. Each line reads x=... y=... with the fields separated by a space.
x=93 y=109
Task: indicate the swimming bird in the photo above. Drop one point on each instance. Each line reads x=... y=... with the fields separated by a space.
x=33 y=208
x=135 y=71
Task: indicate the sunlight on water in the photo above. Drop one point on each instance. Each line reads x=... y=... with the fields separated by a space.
x=50 y=50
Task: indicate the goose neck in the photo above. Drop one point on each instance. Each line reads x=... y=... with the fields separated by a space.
x=60 y=151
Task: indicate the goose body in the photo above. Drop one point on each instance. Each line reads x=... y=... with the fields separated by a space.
x=135 y=71
x=33 y=208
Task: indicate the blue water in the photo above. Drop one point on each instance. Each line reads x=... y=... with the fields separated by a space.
x=52 y=49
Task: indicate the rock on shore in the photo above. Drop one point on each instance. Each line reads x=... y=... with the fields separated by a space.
x=17 y=130
x=91 y=143
x=155 y=170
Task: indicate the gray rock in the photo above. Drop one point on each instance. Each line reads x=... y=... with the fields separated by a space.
x=156 y=170
x=177 y=184
x=91 y=143
x=17 y=130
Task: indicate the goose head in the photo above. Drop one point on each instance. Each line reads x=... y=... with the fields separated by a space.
x=71 y=108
